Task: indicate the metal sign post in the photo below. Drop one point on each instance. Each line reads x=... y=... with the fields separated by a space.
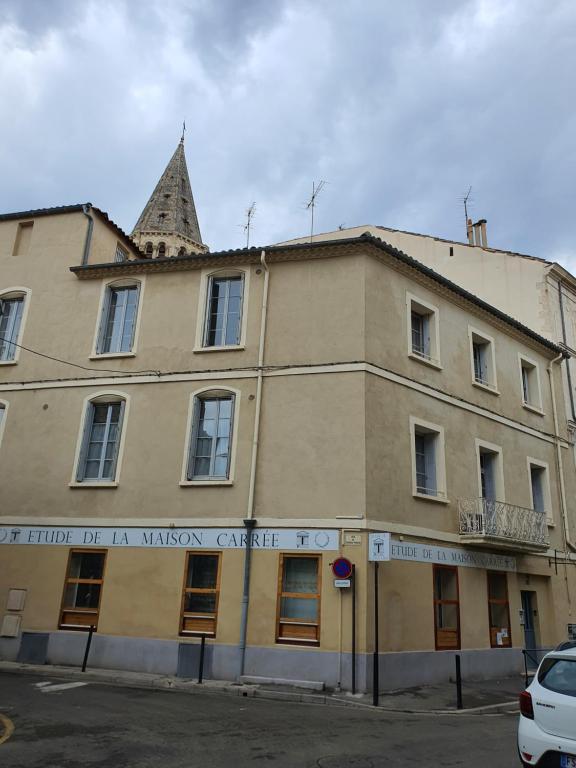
x=353 y=629
x=378 y=551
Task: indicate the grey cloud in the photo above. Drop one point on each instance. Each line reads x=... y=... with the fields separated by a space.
x=399 y=106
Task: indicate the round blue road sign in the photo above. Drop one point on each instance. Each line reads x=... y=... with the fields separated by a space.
x=342 y=568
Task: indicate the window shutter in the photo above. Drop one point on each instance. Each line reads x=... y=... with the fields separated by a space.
x=118 y=439
x=239 y=330
x=88 y=419
x=193 y=435
x=489 y=484
x=426 y=334
x=137 y=286
x=103 y=320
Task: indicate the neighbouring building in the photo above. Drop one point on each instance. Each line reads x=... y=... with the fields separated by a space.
x=188 y=441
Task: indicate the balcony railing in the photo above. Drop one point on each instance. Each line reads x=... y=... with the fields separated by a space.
x=502 y=524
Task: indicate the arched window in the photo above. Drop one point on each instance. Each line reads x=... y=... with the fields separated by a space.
x=149 y=249
x=223 y=321
x=182 y=251
x=210 y=447
x=101 y=436
x=161 y=250
x=12 y=310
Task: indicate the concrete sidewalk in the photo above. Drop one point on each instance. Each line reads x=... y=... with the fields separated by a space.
x=479 y=697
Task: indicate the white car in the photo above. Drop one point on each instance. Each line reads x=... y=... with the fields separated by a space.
x=547 y=727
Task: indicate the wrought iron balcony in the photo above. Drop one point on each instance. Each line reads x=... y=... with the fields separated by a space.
x=498 y=524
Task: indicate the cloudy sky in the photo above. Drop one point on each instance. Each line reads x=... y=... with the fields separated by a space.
x=399 y=106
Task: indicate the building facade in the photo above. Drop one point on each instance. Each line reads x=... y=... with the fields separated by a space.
x=188 y=442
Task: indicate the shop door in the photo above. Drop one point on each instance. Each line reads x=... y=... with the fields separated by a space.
x=529 y=630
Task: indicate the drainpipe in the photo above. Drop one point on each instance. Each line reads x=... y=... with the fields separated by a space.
x=563 y=504
x=250 y=522
x=88 y=240
x=563 y=321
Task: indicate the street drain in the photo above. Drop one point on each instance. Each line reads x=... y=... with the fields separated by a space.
x=345 y=761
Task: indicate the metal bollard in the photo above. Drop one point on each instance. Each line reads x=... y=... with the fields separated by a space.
x=201 y=662
x=458 y=683
x=88 y=644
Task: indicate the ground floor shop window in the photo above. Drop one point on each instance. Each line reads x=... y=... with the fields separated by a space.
x=200 y=596
x=83 y=589
x=499 y=611
x=446 y=608
x=298 y=619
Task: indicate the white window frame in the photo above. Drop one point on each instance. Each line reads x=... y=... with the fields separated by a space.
x=543 y=465
x=107 y=286
x=535 y=405
x=203 y=298
x=100 y=398
x=4 y=405
x=207 y=392
x=16 y=292
x=418 y=425
x=483 y=446
x=475 y=336
x=424 y=308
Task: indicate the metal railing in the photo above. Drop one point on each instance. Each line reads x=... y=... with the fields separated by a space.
x=484 y=518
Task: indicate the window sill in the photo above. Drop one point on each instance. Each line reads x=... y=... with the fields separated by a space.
x=429 y=497
x=533 y=409
x=223 y=348
x=8 y=362
x=93 y=485
x=426 y=361
x=187 y=483
x=486 y=387
x=108 y=355
x=550 y=523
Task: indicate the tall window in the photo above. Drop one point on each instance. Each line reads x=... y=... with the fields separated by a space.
x=82 y=589
x=11 y=310
x=423 y=341
x=121 y=253
x=299 y=600
x=531 y=396
x=161 y=250
x=149 y=249
x=101 y=442
x=201 y=592
x=118 y=319
x=540 y=487
x=446 y=608
x=211 y=443
x=488 y=467
x=420 y=334
x=428 y=462
x=224 y=311
x=483 y=360
x=498 y=610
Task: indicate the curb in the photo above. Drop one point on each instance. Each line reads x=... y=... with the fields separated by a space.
x=162 y=683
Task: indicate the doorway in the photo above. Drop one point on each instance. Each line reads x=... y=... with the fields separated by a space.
x=530 y=614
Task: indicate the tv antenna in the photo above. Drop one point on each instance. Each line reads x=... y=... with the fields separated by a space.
x=250 y=213
x=467 y=199
x=311 y=204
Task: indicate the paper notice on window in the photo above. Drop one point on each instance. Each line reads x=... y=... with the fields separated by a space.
x=504 y=632
x=499 y=638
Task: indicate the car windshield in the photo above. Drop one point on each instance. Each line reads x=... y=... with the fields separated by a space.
x=558 y=675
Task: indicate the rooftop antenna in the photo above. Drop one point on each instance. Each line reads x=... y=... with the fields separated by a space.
x=466 y=200
x=250 y=213
x=311 y=204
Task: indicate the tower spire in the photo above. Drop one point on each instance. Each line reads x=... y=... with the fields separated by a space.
x=168 y=225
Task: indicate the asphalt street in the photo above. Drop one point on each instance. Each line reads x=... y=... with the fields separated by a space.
x=73 y=725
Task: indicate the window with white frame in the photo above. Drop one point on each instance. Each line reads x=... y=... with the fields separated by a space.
x=428 y=473
x=423 y=339
x=98 y=459
x=223 y=321
x=530 y=381
x=490 y=471
x=118 y=320
x=483 y=360
x=11 y=311
x=540 y=487
x=211 y=439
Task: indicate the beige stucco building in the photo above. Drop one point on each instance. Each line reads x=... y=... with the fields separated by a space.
x=188 y=442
